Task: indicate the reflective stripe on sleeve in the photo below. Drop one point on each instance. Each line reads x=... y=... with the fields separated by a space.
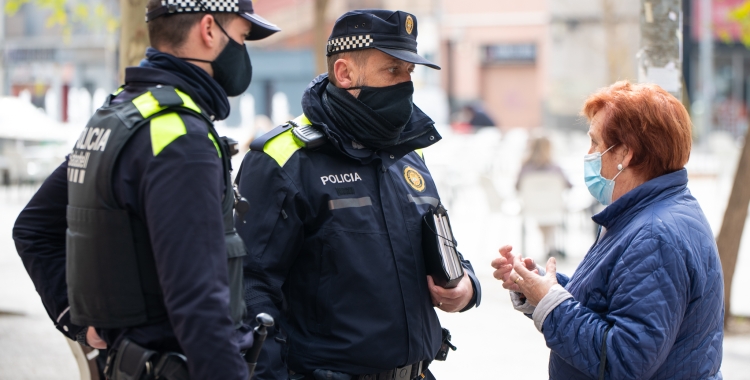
x=334 y=204
x=424 y=200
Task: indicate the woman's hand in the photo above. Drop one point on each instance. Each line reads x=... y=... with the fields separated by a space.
x=532 y=285
x=504 y=267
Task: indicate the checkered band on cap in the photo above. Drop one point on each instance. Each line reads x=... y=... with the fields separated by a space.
x=208 y=5
x=349 y=43
x=188 y=6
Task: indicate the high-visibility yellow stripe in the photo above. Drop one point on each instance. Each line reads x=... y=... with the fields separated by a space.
x=165 y=129
x=188 y=101
x=420 y=153
x=216 y=144
x=281 y=147
x=147 y=105
x=301 y=120
x=119 y=90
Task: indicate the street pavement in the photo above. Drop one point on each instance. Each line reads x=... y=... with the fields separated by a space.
x=476 y=177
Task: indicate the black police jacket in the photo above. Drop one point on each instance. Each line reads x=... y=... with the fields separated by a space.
x=177 y=193
x=334 y=249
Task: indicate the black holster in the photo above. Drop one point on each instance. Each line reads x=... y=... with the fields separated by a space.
x=133 y=362
x=445 y=346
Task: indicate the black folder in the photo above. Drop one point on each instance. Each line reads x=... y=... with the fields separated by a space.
x=439 y=247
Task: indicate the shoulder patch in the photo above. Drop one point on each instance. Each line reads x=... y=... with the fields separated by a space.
x=148 y=105
x=165 y=129
x=281 y=147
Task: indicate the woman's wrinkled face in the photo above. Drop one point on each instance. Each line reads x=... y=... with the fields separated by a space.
x=595 y=134
x=609 y=166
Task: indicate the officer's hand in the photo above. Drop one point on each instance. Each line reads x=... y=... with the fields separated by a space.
x=504 y=267
x=451 y=300
x=93 y=339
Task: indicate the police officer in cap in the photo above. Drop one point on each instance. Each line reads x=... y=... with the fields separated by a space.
x=337 y=198
x=143 y=206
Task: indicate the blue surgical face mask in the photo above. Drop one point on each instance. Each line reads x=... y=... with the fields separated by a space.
x=600 y=187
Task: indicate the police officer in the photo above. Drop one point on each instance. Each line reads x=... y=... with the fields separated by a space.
x=153 y=261
x=334 y=232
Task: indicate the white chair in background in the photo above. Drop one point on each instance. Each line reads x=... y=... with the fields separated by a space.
x=542 y=195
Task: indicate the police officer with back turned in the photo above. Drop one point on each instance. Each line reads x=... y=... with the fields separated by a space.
x=334 y=231
x=143 y=206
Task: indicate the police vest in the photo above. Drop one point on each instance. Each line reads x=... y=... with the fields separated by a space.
x=110 y=269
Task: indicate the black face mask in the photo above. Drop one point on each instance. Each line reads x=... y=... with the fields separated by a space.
x=377 y=117
x=392 y=103
x=232 y=68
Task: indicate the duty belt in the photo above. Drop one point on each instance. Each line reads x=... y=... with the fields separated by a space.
x=133 y=362
x=408 y=372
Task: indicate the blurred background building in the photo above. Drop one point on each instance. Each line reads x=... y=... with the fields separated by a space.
x=526 y=64
x=731 y=66
x=517 y=64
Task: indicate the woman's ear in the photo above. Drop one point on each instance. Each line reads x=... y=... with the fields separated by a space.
x=626 y=154
x=345 y=72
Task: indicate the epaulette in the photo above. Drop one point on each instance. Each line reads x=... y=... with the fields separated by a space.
x=261 y=141
x=303 y=132
x=281 y=142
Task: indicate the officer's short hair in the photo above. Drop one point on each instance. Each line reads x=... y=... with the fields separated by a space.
x=171 y=30
x=358 y=56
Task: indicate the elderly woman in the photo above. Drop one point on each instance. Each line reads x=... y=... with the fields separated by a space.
x=646 y=302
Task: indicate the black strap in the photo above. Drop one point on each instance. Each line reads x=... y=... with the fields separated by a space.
x=603 y=355
x=166 y=96
x=260 y=142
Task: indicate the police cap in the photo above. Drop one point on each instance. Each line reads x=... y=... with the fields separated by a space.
x=261 y=29
x=393 y=33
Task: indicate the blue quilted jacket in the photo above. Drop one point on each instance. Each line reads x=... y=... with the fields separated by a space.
x=653 y=278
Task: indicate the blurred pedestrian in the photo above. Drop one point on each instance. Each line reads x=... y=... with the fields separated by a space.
x=147 y=261
x=470 y=118
x=478 y=118
x=338 y=197
x=646 y=302
x=541 y=183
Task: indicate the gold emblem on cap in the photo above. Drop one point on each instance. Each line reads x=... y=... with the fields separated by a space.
x=409 y=24
x=413 y=178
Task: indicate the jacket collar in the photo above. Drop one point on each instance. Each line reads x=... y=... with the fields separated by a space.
x=641 y=197
x=419 y=133
x=150 y=77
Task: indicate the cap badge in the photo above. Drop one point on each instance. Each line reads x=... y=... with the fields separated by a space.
x=409 y=24
x=414 y=179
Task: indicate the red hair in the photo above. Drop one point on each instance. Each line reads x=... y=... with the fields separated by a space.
x=646 y=119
